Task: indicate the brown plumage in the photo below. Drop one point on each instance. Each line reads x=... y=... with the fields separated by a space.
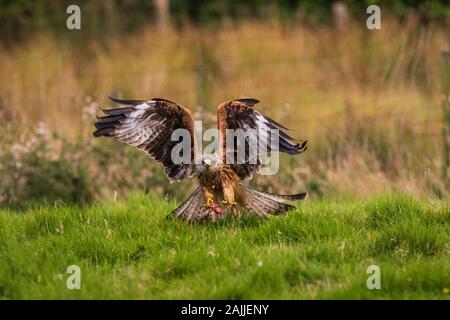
x=149 y=124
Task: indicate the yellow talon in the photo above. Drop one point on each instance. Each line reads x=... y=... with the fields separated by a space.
x=209 y=201
x=226 y=202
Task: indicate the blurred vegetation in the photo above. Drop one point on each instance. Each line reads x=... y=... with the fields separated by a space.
x=367 y=101
x=19 y=19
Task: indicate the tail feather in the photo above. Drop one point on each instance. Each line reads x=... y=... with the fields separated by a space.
x=263 y=203
x=186 y=207
x=260 y=202
x=192 y=208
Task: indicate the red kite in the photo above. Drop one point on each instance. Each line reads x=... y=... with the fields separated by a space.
x=148 y=125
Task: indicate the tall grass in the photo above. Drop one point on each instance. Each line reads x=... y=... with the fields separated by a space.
x=368 y=101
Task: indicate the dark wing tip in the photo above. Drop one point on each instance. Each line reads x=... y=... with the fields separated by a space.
x=96 y=133
x=105 y=111
x=301 y=147
x=126 y=101
x=298 y=196
x=292 y=149
x=276 y=123
x=250 y=102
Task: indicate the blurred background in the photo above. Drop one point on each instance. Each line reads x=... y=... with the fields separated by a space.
x=370 y=102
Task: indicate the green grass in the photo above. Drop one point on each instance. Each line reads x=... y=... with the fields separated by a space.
x=131 y=250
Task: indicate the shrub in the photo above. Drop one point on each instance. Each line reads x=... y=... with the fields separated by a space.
x=38 y=166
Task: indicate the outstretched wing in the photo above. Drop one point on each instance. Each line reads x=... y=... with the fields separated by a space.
x=257 y=129
x=148 y=125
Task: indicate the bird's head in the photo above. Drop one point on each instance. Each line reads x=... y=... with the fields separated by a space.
x=208 y=163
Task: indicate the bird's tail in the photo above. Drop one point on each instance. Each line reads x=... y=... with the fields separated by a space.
x=260 y=202
x=193 y=208
x=263 y=203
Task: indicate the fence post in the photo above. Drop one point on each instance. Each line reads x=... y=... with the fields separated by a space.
x=446 y=117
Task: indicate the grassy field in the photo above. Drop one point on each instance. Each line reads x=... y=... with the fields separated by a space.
x=129 y=249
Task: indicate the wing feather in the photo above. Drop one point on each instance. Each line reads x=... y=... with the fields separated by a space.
x=240 y=115
x=148 y=126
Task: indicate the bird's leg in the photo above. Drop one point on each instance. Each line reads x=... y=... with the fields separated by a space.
x=215 y=208
x=209 y=197
x=228 y=195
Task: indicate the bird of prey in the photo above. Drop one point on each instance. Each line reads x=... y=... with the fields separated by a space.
x=148 y=125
